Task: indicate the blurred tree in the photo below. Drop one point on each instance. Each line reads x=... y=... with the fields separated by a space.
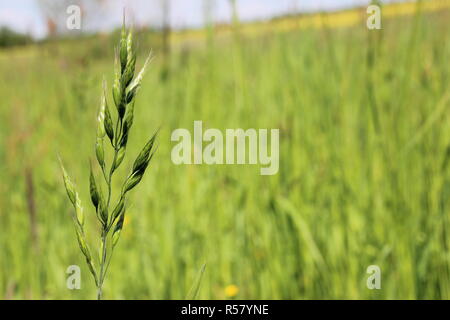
x=234 y=12
x=293 y=7
x=208 y=18
x=235 y=19
x=166 y=27
x=208 y=9
x=10 y=38
x=165 y=35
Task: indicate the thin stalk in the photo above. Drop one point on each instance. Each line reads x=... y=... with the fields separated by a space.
x=109 y=261
x=102 y=267
x=105 y=230
x=104 y=263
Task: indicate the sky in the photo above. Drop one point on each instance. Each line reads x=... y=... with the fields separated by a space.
x=25 y=15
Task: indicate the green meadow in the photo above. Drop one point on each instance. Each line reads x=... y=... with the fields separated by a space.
x=364 y=169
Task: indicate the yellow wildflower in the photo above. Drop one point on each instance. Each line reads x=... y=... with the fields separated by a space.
x=231 y=291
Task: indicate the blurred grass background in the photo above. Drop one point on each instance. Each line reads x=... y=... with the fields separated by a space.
x=364 y=164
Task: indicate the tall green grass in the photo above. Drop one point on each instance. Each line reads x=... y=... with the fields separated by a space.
x=364 y=167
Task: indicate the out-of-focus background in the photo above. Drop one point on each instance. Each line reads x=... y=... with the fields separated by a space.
x=364 y=123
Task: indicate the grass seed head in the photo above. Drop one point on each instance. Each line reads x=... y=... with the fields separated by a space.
x=118 y=209
x=144 y=156
x=124 y=90
x=118 y=228
x=123 y=50
x=100 y=152
x=95 y=195
x=108 y=124
x=79 y=210
x=83 y=245
x=68 y=184
x=119 y=159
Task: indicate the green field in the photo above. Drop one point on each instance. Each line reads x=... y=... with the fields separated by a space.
x=364 y=174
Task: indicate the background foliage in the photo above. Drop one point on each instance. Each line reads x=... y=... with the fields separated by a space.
x=364 y=165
